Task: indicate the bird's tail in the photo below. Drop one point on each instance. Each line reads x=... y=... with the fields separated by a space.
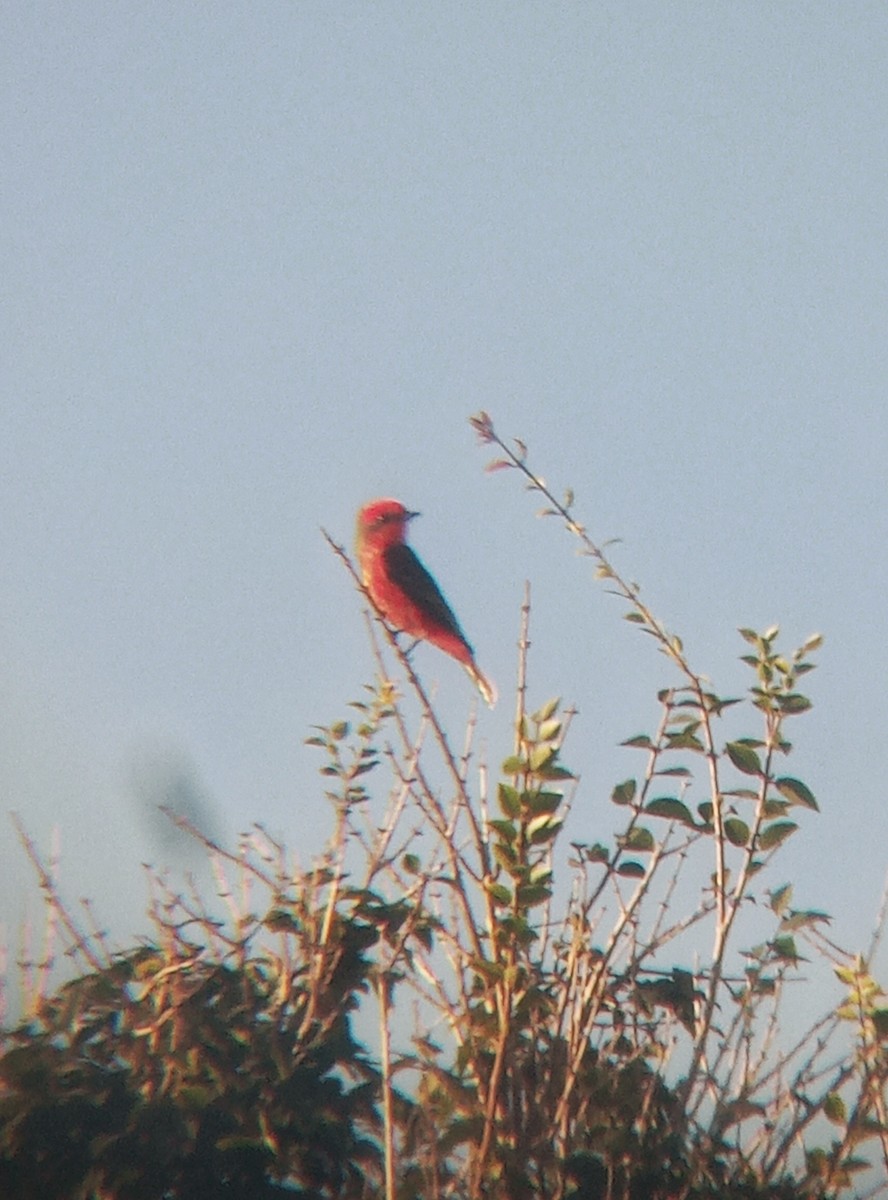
x=485 y=686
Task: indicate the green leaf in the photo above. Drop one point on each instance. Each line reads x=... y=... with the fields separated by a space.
x=781 y=898
x=631 y=870
x=509 y=800
x=817 y=1162
x=686 y=720
x=505 y=856
x=749 y=635
x=865 y=1128
x=427 y=1047
x=634 y=616
x=805 y=918
x=490 y=971
x=795 y=792
x=794 y=703
x=639 y=839
x=411 y=864
x=774 y=808
x=852 y=1165
x=281 y=921
x=543 y=829
x=528 y=895
x=641 y=741
x=773 y=835
x=499 y=894
x=364 y=767
x=784 y=948
x=517 y=927
x=540 y=756
x=624 y=793
x=880 y=1022
x=717 y=704
x=507 y=830
x=761 y=985
x=672 y=809
x=552 y=771
x=740 y=1110
x=736 y=831
x=514 y=765
x=195 y=1097
x=686 y=739
x=543 y=802
x=547 y=710
x=459 y=1130
x=549 y=730
x=744 y=758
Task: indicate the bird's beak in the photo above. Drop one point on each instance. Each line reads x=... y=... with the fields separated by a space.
x=410 y=515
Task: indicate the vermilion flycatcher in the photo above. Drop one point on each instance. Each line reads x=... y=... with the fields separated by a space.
x=404 y=591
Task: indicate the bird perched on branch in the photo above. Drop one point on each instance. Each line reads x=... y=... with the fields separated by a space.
x=404 y=591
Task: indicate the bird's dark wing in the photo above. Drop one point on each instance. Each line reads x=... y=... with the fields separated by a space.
x=407 y=572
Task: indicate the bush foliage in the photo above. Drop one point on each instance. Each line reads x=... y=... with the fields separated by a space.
x=542 y=1020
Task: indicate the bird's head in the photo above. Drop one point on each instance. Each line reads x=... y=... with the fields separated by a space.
x=382 y=522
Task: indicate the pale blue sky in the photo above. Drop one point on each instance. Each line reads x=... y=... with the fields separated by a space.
x=261 y=262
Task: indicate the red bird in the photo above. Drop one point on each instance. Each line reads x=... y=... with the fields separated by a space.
x=404 y=591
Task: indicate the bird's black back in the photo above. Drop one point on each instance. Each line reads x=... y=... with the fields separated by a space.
x=408 y=573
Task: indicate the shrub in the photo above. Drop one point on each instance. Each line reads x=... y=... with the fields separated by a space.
x=562 y=1043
